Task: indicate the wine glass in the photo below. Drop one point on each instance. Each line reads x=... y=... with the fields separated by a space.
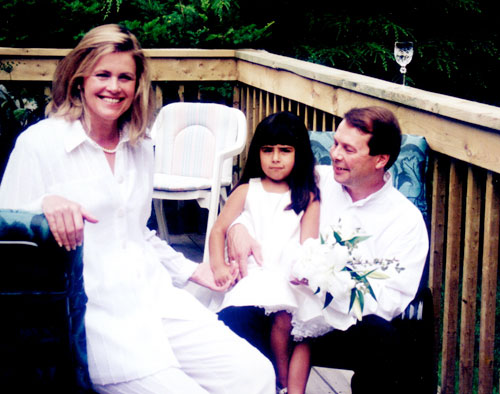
x=403 y=53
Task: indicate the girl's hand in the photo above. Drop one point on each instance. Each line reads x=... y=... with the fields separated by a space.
x=204 y=276
x=224 y=274
x=66 y=220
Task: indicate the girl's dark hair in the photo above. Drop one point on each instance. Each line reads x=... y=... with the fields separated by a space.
x=285 y=128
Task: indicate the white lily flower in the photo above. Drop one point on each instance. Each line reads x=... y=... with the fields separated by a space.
x=332 y=266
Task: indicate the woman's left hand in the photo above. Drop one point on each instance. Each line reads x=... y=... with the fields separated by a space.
x=66 y=220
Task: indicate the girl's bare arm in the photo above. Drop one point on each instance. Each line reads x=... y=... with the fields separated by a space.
x=309 y=224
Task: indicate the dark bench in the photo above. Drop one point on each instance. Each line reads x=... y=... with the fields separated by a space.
x=42 y=299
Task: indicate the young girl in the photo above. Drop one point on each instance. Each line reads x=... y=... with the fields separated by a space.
x=277 y=194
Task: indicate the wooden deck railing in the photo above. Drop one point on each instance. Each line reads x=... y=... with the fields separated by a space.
x=464 y=173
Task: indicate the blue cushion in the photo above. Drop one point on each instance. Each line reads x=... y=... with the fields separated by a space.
x=321 y=141
x=408 y=172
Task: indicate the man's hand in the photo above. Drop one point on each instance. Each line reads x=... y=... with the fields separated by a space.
x=204 y=276
x=240 y=245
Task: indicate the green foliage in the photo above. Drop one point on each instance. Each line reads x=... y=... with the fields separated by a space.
x=457 y=44
x=19 y=107
x=167 y=23
x=240 y=36
x=191 y=24
x=457 y=50
x=108 y=5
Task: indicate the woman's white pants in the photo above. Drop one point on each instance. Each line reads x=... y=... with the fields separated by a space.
x=212 y=360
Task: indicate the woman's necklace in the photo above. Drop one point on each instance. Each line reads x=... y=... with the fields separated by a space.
x=105 y=150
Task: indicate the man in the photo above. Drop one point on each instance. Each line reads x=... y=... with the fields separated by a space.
x=358 y=190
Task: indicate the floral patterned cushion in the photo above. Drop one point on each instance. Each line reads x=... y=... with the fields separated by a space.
x=42 y=299
x=408 y=171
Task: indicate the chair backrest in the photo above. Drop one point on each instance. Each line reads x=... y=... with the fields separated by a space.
x=187 y=137
x=408 y=172
x=43 y=302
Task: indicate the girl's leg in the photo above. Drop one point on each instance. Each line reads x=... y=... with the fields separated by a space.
x=280 y=345
x=300 y=366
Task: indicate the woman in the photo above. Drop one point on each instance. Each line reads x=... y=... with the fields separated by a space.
x=91 y=161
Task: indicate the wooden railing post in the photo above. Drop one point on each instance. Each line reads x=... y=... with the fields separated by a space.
x=470 y=276
x=489 y=283
x=440 y=171
x=452 y=271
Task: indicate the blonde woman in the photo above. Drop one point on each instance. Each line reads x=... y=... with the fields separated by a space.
x=89 y=168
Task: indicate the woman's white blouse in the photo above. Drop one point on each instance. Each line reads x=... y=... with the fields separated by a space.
x=126 y=282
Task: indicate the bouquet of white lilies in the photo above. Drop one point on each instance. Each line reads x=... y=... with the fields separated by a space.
x=331 y=265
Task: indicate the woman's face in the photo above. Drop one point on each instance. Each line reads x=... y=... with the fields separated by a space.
x=109 y=89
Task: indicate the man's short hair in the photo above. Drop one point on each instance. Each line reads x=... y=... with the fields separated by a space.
x=383 y=127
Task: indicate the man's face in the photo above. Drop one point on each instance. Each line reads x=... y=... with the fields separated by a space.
x=353 y=167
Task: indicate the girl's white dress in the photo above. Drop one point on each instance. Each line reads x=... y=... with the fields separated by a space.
x=278 y=232
x=268 y=286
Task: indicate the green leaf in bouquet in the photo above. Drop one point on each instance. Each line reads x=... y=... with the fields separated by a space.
x=338 y=238
x=328 y=299
x=356 y=240
x=362 y=277
x=317 y=290
x=361 y=298
x=353 y=298
x=370 y=289
x=356 y=303
x=357 y=310
x=322 y=240
x=353 y=274
x=376 y=274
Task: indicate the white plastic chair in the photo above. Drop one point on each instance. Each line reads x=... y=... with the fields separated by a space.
x=195 y=145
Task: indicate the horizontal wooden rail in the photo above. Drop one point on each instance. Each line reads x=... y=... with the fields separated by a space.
x=463 y=186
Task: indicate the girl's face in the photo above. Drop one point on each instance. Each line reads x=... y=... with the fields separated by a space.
x=109 y=89
x=277 y=161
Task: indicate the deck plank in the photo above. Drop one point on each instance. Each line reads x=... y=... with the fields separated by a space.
x=329 y=381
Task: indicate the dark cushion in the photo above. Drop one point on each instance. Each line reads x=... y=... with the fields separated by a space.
x=42 y=299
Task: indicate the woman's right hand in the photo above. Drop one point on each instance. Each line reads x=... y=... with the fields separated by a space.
x=66 y=220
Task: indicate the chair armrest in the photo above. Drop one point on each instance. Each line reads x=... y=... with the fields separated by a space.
x=39 y=279
x=241 y=138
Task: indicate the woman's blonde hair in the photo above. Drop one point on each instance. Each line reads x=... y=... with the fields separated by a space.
x=67 y=94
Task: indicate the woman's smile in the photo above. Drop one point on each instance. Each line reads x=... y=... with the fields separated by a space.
x=109 y=90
